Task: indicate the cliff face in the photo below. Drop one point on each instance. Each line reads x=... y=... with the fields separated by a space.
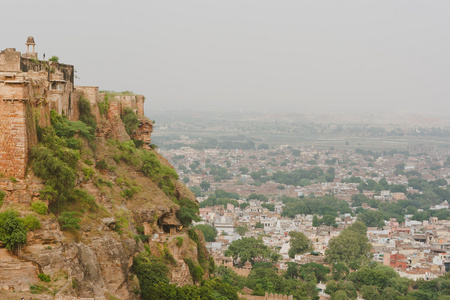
x=125 y=197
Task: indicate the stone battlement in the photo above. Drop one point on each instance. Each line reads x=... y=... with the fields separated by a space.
x=267 y=296
x=31 y=88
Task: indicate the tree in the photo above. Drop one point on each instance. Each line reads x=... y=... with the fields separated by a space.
x=188 y=212
x=244 y=205
x=351 y=245
x=150 y=271
x=316 y=222
x=130 y=120
x=319 y=271
x=392 y=294
x=341 y=290
x=54 y=58
x=340 y=295
x=185 y=180
x=370 y=292
x=209 y=232
x=259 y=225
x=299 y=244
x=359 y=199
x=12 y=229
x=379 y=276
x=248 y=249
x=269 y=206
x=340 y=271
x=371 y=218
x=329 y=220
x=243 y=170
x=196 y=190
x=241 y=230
x=205 y=185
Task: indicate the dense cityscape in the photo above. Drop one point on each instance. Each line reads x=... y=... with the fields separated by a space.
x=270 y=192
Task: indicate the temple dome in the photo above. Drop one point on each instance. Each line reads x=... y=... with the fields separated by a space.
x=30 y=40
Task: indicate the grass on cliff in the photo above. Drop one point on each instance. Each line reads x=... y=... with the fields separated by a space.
x=164 y=176
x=119 y=175
x=56 y=157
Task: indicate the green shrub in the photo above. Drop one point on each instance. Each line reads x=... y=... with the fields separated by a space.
x=162 y=175
x=2 y=197
x=105 y=182
x=103 y=106
x=138 y=143
x=88 y=162
x=48 y=193
x=195 y=270
x=55 y=163
x=44 y=277
x=179 y=240
x=85 y=199
x=121 y=222
x=31 y=222
x=54 y=59
x=69 y=220
x=130 y=121
x=88 y=172
x=86 y=115
x=193 y=235
x=212 y=265
x=102 y=165
x=150 y=271
x=37 y=288
x=168 y=257
x=129 y=193
x=67 y=129
x=12 y=229
x=188 y=212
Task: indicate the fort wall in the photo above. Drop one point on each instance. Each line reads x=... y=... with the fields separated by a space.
x=267 y=296
x=13 y=138
x=30 y=89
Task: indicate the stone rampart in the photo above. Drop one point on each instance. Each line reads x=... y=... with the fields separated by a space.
x=267 y=296
x=30 y=88
x=13 y=138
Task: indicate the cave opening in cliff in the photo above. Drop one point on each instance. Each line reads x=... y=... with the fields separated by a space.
x=168 y=224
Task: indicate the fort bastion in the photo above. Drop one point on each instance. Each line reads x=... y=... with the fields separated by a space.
x=30 y=88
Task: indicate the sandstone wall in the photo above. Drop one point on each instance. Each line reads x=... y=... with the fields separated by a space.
x=13 y=89
x=10 y=60
x=266 y=297
x=92 y=95
x=13 y=138
x=140 y=105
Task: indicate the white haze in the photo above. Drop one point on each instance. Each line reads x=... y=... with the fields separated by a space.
x=291 y=55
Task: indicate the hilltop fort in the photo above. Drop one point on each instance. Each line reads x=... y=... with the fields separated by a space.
x=104 y=203
x=30 y=88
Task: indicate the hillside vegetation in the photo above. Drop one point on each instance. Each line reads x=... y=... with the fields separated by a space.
x=112 y=193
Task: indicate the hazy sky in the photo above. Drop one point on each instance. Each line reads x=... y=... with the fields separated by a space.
x=287 y=55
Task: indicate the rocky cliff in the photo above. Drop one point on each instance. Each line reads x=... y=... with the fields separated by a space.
x=123 y=198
